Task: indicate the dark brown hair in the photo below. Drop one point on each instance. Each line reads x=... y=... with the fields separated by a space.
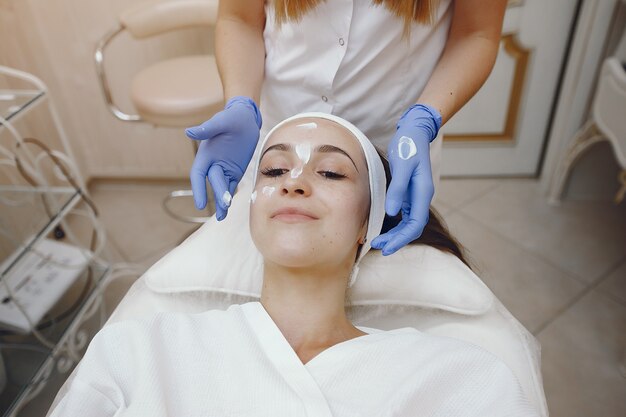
x=410 y=11
x=435 y=232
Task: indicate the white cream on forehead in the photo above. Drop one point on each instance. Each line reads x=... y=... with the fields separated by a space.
x=310 y=125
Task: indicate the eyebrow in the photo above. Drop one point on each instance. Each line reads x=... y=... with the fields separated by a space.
x=286 y=147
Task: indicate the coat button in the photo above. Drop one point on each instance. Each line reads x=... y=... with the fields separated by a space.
x=325 y=99
x=341 y=42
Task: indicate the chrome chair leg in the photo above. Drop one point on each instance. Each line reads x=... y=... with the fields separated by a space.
x=188 y=219
x=186 y=194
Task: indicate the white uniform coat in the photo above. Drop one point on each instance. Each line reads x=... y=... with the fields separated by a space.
x=238 y=363
x=348 y=58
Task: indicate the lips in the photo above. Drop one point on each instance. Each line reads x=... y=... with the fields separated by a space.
x=293 y=214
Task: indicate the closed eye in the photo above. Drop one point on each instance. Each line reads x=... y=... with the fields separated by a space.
x=331 y=175
x=273 y=172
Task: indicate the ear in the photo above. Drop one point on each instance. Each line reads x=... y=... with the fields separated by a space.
x=363 y=234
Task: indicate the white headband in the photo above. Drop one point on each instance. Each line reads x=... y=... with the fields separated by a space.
x=376 y=173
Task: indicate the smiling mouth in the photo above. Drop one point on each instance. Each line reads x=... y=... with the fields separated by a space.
x=292 y=215
x=293 y=218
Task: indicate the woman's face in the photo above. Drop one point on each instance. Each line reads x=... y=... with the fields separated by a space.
x=311 y=199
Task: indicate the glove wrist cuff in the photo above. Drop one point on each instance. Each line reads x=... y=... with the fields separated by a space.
x=422 y=115
x=247 y=101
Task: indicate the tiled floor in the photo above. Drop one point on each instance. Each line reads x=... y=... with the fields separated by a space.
x=560 y=270
x=138 y=228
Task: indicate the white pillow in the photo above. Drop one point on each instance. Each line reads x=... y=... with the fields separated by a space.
x=220 y=257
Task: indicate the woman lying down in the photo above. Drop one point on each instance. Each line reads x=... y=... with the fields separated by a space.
x=318 y=202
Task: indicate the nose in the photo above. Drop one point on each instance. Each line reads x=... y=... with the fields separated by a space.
x=295 y=186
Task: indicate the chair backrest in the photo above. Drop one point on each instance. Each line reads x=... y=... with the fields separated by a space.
x=155 y=17
x=609 y=104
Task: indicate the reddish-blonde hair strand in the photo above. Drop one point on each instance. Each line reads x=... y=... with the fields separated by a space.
x=410 y=11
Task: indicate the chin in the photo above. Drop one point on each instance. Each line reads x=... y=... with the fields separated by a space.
x=290 y=253
x=288 y=261
x=294 y=246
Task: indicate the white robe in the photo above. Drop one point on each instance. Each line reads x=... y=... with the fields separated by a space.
x=237 y=363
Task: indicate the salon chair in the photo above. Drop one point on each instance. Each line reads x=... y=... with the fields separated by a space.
x=178 y=92
x=607 y=122
x=418 y=287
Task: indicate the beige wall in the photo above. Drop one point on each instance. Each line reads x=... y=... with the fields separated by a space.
x=55 y=40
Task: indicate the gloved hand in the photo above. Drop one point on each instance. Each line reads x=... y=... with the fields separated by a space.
x=228 y=142
x=411 y=187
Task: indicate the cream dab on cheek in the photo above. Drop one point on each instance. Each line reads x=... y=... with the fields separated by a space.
x=406 y=148
x=268 y=191
x=253 y=196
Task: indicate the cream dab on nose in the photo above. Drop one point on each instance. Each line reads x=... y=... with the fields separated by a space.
x=296 y=172
x=303 y=150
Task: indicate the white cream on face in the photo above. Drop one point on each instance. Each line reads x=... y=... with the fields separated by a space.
x=227 y=198
x=253 y=196
x=303 y=150
x=310 y=125
x=268 y=191
x=406 y=148
x=296 y=172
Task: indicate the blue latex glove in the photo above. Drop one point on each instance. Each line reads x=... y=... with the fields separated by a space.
x=228 y=142
x=411 y=187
